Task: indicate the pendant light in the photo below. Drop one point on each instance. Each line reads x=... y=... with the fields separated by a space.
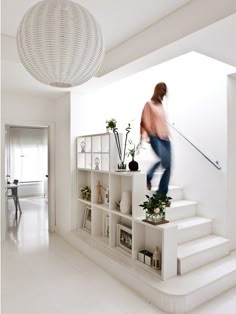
x=60 y=43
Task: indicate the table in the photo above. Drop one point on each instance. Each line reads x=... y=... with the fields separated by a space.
x=14 y=190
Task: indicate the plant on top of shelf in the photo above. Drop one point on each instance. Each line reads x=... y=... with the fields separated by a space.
x=112 y=124
x=86 y=193
x=132 y=150
x=155 y=207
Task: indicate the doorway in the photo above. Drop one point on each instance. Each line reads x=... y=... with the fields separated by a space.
x=28 y=157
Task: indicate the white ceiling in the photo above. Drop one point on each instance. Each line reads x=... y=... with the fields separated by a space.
x=119 y=20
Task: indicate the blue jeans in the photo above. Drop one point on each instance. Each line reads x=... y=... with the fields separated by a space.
x=162 y=149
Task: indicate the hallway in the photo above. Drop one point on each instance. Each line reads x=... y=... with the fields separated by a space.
x=42 y=274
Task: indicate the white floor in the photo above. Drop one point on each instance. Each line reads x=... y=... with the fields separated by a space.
x=43 y=274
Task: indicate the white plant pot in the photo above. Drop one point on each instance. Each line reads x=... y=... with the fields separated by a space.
x=126 y=203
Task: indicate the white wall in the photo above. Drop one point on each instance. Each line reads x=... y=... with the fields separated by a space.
x=196 y=102
x=25 y=110
x=231 y=167
x=63 y=173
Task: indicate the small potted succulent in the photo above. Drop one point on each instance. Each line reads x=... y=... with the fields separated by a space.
x=86 y=193
x=155 y=207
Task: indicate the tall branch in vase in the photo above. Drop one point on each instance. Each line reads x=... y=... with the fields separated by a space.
x=112 y=125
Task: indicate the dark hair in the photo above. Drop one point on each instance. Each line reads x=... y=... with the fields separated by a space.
x=160 y=91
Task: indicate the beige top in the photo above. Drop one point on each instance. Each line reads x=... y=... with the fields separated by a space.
x=153 y=121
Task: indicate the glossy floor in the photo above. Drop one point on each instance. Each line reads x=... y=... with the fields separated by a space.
x=42 y=274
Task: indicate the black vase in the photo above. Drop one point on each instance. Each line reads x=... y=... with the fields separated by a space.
x=133 y=165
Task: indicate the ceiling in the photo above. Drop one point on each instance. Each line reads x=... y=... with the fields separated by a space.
x=127 y=17
x=120 y=21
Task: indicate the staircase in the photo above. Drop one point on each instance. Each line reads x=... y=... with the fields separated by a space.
x=197 y=245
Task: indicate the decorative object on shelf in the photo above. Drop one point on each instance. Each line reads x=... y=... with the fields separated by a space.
x=60 y=43
x=148 y=258
x=155 y=207
x=145 y=257
x=124 y=238
x=106 y=226
x=100 y=187
x=112 y=124
x=99 y=193
x=156 y=259
x=141 y=256
x=82 y=145
x=126 y=203
x=117 y=205
x=86 y=193
x=133 y=165
x=97 y=162
x=106 y=198
x=87 y=219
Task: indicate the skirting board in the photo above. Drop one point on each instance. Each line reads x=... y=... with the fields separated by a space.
x=166 y=295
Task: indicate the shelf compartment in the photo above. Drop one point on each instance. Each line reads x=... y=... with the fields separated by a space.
x=80 y=160
x=105 y=162
x=148 y=236
x=84 y=144
x=126 y=225
x=96 y=143
x=83 y=180
x=101 y=225
x=104 y=192
x=119 y=184
x=105 y=143
x=84 y=217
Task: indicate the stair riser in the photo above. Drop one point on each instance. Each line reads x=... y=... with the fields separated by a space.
x=208 y=292
x=194 y=232
x=176 y=194
x=194 y=261
x=173 y=214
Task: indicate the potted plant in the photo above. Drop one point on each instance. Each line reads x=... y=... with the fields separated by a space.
x=112 y=125
x=133 y=165
x=155 y=207
x=86 y=193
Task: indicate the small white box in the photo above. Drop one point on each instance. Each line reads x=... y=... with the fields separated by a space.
x=141 y=256
x=148 y=258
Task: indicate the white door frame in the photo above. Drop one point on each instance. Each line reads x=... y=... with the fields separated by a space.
x=51 y=171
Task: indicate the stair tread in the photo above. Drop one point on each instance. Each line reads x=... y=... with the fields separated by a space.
x=198 y=278
x=171 y=188
x=198 y=245
x=180 y=203
x=190 y=222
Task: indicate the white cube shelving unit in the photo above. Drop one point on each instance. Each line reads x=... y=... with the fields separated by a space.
x=96 y=162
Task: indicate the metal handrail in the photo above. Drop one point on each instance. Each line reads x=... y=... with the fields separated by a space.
x=214 y=163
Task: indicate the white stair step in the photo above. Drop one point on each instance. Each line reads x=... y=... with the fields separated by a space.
x=201 y=285
x=196 y=253
x=175 y=192
x=193 y=228
x=180 y=210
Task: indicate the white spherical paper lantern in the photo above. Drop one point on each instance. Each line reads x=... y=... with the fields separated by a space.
x=60 y=43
